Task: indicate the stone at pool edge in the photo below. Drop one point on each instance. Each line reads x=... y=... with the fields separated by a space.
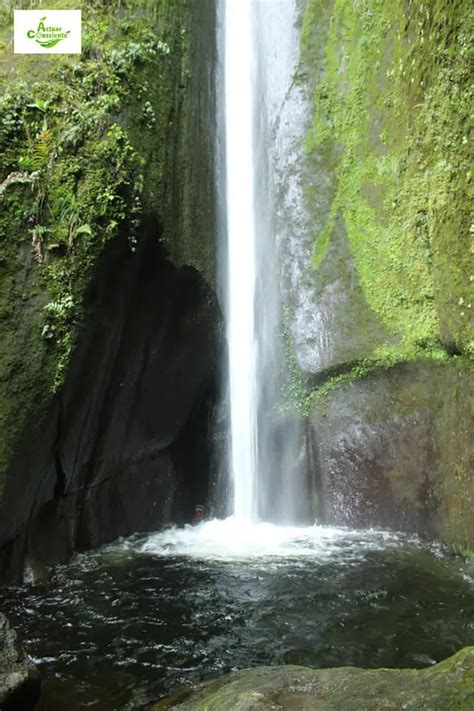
x=20 y=682
x=447 y=686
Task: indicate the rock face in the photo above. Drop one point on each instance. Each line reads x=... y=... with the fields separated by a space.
x=110 y=327
x=383 y=219
x=447 y=685
x=372 y=229
x=20 y=684
x=125 y=445
x=395 y=449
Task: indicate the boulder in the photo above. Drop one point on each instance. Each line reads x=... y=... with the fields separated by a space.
x=394 y=449
x=447 y=685
x=20 y=683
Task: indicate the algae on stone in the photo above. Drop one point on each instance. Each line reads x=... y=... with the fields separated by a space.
x=447 y=686
x=391 y=108
x=91 y=147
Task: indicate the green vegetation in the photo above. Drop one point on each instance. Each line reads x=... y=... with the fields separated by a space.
x=86 y=142
x=392 y=93
x=79 y=177
x=295 y=397
x=301 y=398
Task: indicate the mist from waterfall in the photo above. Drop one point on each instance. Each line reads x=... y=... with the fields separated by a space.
x=268 y=474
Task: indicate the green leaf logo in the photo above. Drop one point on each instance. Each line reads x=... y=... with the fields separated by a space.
x=47 y=36
x=49 y=43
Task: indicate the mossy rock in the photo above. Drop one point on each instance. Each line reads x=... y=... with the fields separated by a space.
x=390 y=90
x=94 y=147
x=394 y=449
x=104 y=153
x=448 y=685
x=20 y=682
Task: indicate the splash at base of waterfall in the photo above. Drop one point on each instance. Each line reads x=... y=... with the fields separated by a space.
x=124 y=625
x=232 y=538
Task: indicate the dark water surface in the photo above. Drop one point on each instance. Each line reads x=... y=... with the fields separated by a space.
x=122 y=626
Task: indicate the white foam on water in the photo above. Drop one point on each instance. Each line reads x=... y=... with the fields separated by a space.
x=233 y=538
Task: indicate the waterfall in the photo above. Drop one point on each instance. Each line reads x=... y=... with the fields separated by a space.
x=260 y=54
x=239 y=113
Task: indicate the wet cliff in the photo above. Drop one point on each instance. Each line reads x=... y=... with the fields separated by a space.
x=110 y=327
x=376 y=246
x=111 y=332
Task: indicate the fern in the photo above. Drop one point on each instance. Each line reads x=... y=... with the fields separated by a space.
x=42 y=150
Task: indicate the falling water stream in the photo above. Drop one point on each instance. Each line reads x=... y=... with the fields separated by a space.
x=260 y=57
x=122 y=626
x=241 y=268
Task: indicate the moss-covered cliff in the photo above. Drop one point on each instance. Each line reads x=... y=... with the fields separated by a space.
x=391 y=97
x=381 y=242
x=109 y=147
x=115 y=147
x=89 y=145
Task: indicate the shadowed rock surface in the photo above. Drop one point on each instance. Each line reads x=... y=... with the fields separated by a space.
x=125 y=446
x=127 y=340
x=448 y=685
x=395 y=449
x=20 y=683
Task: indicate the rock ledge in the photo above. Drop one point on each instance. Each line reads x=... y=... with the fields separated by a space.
x=448 y=685
x=20 y=683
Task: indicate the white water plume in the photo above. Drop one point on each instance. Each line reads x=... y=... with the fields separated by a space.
x=267 y=462
x=234 y=539
x=241 y=273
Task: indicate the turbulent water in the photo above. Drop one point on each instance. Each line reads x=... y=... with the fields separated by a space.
x=125 y=625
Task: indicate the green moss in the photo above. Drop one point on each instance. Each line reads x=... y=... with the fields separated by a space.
x=294 y=394
x=87 y=179
x=447 y=686
x=88 y=146
x=391 y=103
x=322 y=244
x=467 y=553
x=300 y=397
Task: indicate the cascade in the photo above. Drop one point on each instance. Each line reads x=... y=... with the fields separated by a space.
x=260 y=51
x=241 y=256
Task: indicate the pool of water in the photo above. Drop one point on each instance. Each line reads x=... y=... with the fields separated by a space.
x=125 y=625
